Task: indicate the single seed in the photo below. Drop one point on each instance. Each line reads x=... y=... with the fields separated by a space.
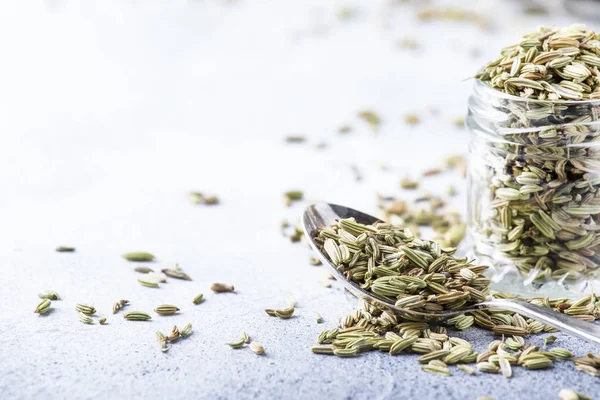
x=43 y=307
x=295 y=139
x=85 y=309
x=211 y=200
x=198 y=299
x=175 y=272
x=371 y=118
x=466 y=369
x=538 y=363
x=118 y=305
x=412 y=119
x=238 y=344
x=509 y=330
x=222 y=287
x=257 y=348
x=487 y=367
x=102 y=321
x=444 y=371
x=166 y=309
x=49 y=294
x=84 y=318
x=143 y=270
x=345 y=352
x=186 y=330
x=139 y=256
x=568 y=394
x=322 y=350
x=345 y=129
x=505 y=368
x=292 y=196
x=285 y=313
x=319 y=319
x=200 y=198
x=137 y=316
x=561 y=353
x=148 y=282
x=409 y=184
x=175 y=335
x=314 y=261
x=65 y=249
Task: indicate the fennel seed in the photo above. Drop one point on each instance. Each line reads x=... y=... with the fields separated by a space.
x=49 y=294
x=85 y=309
x=43 y=307
x=139 y=256
x=198 y=299
x=166 y=309
x=137 y=316
x=221 y=287
x=65 y=249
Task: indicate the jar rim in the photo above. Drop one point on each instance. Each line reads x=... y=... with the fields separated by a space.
x=483 y=86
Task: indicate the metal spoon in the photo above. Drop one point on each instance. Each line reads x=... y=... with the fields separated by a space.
x=324 y=214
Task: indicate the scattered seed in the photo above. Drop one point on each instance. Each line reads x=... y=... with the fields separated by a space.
x=43 y=307
x=198 y=299
x=240 y=342
x=322 y=350
x=257 y=348
x=49 y=294
x=221 y=287
x=139 y=256
x=314 y=261
x=432 y=171
x=137 y=316
x=292 y=196
x=118 y=305
x=412 y=119
x=295 y=139
x=166 y=309
x=143 y=270
x=466 y=368
x=148 y=282
x=175 y=272
x=200 y=198
x=64 y=249
x=84 y=318
x=85 y=309
x=371 y=118
x=186 y=330
x=345 y=129
x=408 y=184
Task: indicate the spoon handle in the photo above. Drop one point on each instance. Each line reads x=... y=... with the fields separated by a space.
x=576 y=327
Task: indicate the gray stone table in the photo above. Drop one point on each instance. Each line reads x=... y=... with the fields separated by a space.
x=113 y=111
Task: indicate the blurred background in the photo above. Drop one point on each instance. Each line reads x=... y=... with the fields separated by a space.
x=113 y=110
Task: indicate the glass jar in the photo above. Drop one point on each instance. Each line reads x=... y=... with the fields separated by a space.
x=533 y=197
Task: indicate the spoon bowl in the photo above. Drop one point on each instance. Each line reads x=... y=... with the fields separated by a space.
x=324 y=214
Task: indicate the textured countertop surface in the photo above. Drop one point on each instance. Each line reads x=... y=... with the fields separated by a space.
x=112 y=112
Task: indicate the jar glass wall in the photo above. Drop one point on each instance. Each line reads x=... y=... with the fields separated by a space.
x=534 y=198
